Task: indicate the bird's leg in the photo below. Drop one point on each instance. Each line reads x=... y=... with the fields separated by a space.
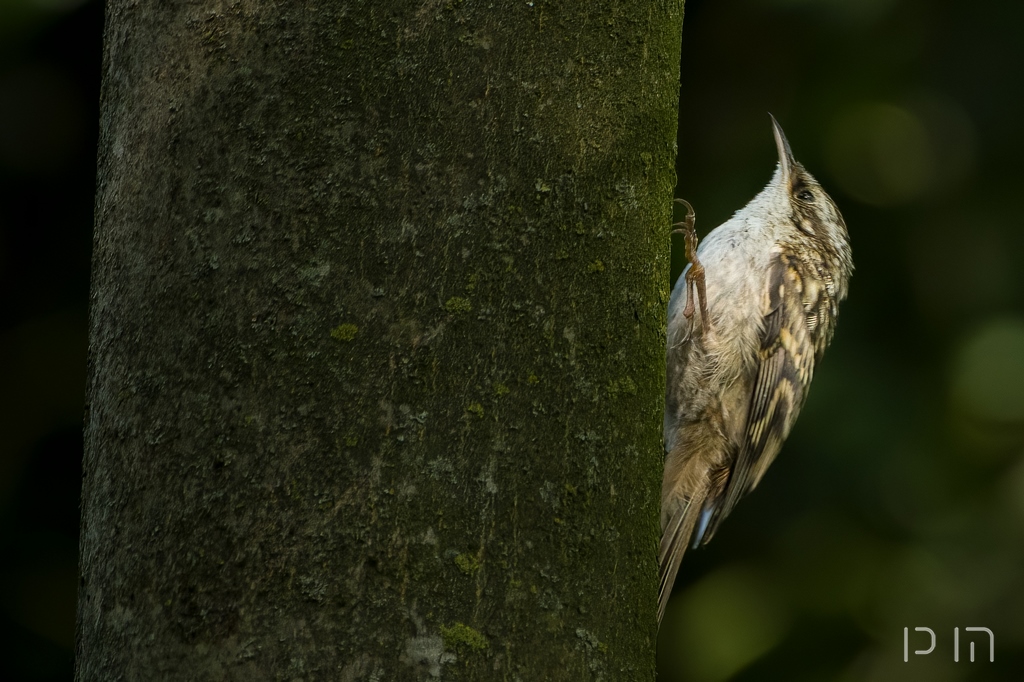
x=695 y=275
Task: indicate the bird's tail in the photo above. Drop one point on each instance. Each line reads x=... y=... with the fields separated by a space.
x=675 y=539
x=687 y=504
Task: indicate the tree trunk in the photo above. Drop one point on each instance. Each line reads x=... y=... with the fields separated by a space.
x=377 y=361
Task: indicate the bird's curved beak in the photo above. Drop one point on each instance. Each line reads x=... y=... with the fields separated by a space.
x=786 y=161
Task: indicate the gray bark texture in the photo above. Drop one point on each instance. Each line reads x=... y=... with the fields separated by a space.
x=376 y=361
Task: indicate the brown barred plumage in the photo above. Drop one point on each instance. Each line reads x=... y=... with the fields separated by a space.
x=739 y=372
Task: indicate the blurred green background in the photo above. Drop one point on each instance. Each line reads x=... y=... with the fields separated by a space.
x=898 y=500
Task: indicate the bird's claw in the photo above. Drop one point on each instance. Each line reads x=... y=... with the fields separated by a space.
x=695 y=275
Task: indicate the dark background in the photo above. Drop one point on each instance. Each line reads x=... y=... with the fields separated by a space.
x=49 y=90
x=898 y=500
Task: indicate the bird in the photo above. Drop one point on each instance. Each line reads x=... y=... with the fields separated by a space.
x=739 y=362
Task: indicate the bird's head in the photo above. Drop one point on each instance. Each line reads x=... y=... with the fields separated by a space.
x=800 y=199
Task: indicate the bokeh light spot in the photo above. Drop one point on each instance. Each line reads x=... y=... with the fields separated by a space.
x=988 y=375
x=722 y=624
x=880 y=154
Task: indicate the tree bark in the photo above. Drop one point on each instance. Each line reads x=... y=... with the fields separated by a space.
x=377 y=341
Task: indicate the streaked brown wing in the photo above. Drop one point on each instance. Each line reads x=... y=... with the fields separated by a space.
x=785 y=366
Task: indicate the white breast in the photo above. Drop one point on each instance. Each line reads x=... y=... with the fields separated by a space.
x=735 y=256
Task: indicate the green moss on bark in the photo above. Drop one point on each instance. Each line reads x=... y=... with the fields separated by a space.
x=460 y=636
x=344 y=332
x=452 y=184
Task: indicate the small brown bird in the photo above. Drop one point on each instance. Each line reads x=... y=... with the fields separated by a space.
x=768 y=283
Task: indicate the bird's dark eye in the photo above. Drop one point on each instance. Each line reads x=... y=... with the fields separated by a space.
x=805 y=195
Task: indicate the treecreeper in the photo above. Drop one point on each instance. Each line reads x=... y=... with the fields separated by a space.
x=740 y=358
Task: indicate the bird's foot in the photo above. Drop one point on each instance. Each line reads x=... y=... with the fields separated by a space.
x=695 y=275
